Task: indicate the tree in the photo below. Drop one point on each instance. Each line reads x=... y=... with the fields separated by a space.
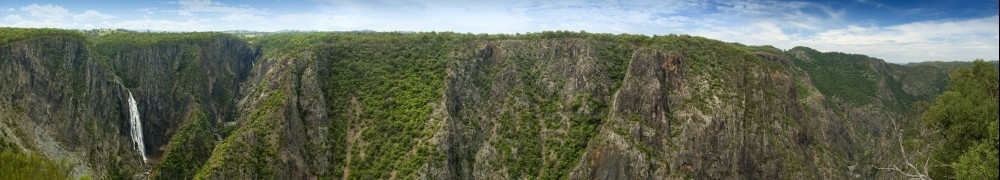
x=910 y=170
x=967 y=115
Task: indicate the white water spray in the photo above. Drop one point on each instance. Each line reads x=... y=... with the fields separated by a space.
x=136 y=126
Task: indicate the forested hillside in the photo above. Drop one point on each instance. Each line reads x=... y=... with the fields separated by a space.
x=442 y=105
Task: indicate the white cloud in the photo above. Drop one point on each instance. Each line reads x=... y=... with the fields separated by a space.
x=783 y=24
x=312 y=21
x=918 y=41
x=36 y=24
x=794 y=16
x=927 y=31
x=789 y=24
x=90 y=15
x=519 y=16
x=13 y=18
x=190 y=7
x=462 y=16
x=242 y=17
x=166 y=25
x=148 y=10
x=47 y=12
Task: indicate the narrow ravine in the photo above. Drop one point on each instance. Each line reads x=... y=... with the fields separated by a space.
x=136 y=126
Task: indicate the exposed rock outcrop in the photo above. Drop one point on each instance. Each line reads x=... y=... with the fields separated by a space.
x=453 y=106
x=56 y=101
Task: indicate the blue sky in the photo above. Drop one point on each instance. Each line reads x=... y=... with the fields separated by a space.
x=897 y=31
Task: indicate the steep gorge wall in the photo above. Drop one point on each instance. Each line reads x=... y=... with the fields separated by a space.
x=67 y=97
x=58 y=102
x=678 y=112
x=452 y=106
x=872 y=100
x=169 y=80
x=282 y=124
x=524 y=108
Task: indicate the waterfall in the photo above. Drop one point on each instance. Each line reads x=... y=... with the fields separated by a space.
x=136 y=126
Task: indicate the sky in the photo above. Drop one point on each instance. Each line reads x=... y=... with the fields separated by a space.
x=896 y=31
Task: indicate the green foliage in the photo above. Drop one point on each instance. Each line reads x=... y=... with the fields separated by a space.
x=967 y=115
x=844 y=76
x=614 y=57
x=14 y=165
x=387 y=83
x=250 y=148
x=113 y=48
x=856 y=79
x=764 y=48
x=9 y=146
x=394 y=78
x=949 y=65
x=980 y=162
x=10 y=35
x=124 y=41
x=802 y=90
x=188 y=150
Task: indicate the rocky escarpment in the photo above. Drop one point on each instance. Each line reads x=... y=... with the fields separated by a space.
x=677 y=113
x=67 y=96
x=283 y=126
x=522 y=109
x=694 y=109
x=680 y=113
x=58 y=102
x=171 y=80
x=871 y=99
x=547 y=105
x=637 y=123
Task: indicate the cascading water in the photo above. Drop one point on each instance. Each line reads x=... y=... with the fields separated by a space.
x=136 y=126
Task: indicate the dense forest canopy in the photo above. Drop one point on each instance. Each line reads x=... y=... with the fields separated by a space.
x=966 y=116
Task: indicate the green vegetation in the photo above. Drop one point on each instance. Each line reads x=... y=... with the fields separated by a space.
x=582 y=128
x=127 y=45
x=844 y=76
x=16 y=165
x=123 y=41
x=951 y=64
x=251 y=147
x=10 y=35
x=382 y=93
x=198 y=70
x=857 y=79
x=967 y=116
x=394 y=78
x=188 y=150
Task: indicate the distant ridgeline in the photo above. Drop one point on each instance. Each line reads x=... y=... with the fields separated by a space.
x=442 y=105
x=952 y=64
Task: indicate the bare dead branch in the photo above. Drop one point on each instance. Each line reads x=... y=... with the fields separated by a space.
x=917 y=173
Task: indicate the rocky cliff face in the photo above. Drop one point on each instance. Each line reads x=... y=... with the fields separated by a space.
x=523 y=108
x=58 y=102
x=283 y=126
x=74 y=93
x=453 y=106
x=170 y=81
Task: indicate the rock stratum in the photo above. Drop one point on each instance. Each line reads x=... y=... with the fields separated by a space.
x=363 y=105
